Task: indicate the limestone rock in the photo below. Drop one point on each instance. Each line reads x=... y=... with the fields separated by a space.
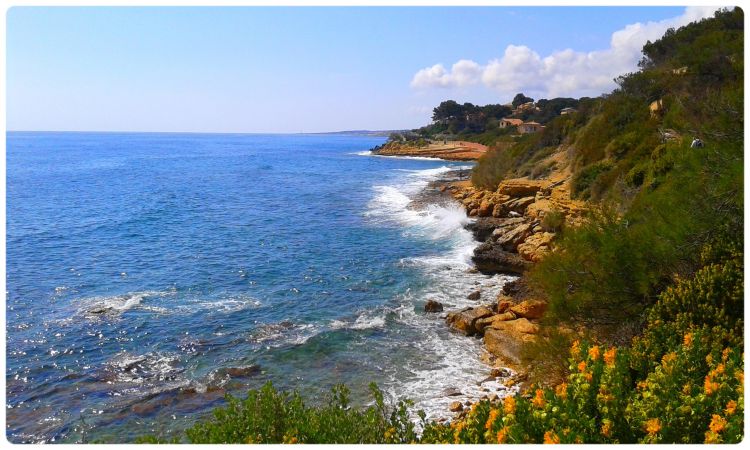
x=516 y=328
x=503 y=303
x=520 y=187
x=485 y=209
x=536 y=246
x=518 y=205
x=501 y=344
x=481 y=324
x=465 y=321
x=530 y=309
x=490 y=258
x=510 y=240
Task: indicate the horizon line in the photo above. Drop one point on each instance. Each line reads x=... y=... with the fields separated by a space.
x=207 y=132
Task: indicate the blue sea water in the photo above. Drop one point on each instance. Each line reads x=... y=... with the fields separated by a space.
x=150 y=274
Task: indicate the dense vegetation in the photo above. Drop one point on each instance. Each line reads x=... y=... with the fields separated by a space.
x=654 y=279
x=481 y=124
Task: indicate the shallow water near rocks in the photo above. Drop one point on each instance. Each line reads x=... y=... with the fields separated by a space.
x=150 y=274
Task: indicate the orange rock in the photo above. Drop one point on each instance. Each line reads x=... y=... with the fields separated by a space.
x=530 y=309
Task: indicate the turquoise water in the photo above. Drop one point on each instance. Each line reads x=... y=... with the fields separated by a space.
x=150 y=274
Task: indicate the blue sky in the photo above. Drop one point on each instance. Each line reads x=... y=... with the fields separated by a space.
x=305 y=69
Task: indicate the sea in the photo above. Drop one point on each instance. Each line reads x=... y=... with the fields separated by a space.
x=150 y=274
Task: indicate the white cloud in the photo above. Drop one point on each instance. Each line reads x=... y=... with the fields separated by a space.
x=562 y=73
x=463 y=73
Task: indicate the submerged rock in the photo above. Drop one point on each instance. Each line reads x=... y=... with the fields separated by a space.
x=474 y=295
x=433 y=306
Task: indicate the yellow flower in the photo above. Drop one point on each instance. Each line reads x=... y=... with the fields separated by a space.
x=668 y=358
x=731 y=408
x=509 y=405
x=551 y=438
x=457 y=432
x=491 y=419
x=710 y=386
x=538 y=399
x=502 y=435
x=709 y=359
x=740 y=376
x=687 y=340
x=610 y=356
x=561 y=390
x=653 y=426
x=717 y=424
x=389 y=433
x=725 y=354
x=719 y=369
x=582 y=366
x=712 y=438
x=594 y=353
x=575 y=349
x=686 y=389
x=606 y=428
x=588 y=376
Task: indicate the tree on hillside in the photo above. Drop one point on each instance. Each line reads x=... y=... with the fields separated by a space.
x=447 y=110
x=520 y=99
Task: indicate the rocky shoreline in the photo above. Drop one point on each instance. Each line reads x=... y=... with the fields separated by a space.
x=515 y=226
x=447 y=150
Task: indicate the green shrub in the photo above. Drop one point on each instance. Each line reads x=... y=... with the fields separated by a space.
x=586 y=177
x=553 y=221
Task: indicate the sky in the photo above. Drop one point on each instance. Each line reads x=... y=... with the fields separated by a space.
x=289 y=70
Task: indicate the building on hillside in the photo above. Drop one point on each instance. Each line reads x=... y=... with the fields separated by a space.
x=680 y=71
x=528 y=106
x=530 y=127
x=567 y=110
x=505 y=122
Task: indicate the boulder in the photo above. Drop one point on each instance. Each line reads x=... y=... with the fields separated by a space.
x=520 y=187
x=433 y=306
x=518 y=205
x=473 y=212
x=490 y=258
x=516 y=328
x=456 y=407
x=484 y=227
x=503 y=345
x=530 y=309
x=511 y=287
x=510 y=240
x=485 y=208
x=503 y=303
x=500 y=372
x=481 y=324
x=465 y=321
x=536 y=246
x=452 y=392
x=474 y=295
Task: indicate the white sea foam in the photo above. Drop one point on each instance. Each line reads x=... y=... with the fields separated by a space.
x=364 y=321
x=449 y=361
x=418 y=158
x=116 y=304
